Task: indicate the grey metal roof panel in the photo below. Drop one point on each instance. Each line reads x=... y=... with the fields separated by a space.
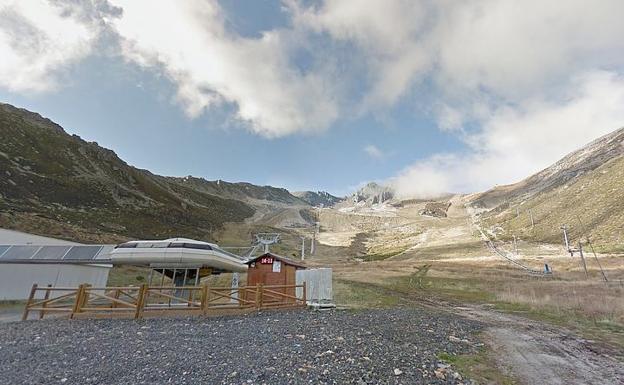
x=20 y=252
x=52 y=252
x=104 y=253
x=82 y=252
x=3 y=249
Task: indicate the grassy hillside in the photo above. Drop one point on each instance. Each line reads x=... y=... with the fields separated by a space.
x=589 y=202
x=56 y=184
x=565 y=171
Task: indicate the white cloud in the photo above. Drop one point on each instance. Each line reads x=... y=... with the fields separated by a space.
x=38 y=41
x=449 y=118
x=509 y=48
x=374 y=152
x=517 y=142
x=521 y=74
x=211 y=65
x=386 y=35
x=514 y=48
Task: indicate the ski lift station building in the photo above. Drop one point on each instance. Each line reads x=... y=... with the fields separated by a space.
x=59 y=263
x=29 y=259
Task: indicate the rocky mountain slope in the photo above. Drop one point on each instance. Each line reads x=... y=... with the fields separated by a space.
x=246 y=192
x=583 y=190
x=318 y=198
x=571 y=167
x=373 y=193
x=57 y=184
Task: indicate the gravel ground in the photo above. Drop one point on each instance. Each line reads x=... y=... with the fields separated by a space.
x=397 y=346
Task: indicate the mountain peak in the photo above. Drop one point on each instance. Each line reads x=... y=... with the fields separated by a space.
x=373 y=193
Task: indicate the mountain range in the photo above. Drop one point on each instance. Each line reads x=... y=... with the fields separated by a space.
x=58 y=184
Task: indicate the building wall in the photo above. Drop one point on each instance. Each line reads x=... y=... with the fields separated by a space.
x=16 y=280
x=318 y=285
x=263 y=273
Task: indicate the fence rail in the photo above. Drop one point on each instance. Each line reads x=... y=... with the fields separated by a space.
x=144 y=300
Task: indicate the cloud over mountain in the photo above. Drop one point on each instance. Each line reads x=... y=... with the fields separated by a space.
x=520 y=83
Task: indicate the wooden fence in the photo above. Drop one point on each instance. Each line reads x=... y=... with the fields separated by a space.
x=139 y=301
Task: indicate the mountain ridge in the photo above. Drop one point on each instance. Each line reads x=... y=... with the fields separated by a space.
x=572 y=165
x=54 y=179
x=582 y=191
x=318 y=198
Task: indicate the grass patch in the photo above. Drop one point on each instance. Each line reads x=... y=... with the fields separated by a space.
x=480 y=367
x=12 y=304
x=360 y=295
x=381 y=256
x=466 y=290
x=130 y=275
x=590 y=327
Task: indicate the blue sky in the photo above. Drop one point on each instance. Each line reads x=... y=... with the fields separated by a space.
x=321 y=95
x=131 y=111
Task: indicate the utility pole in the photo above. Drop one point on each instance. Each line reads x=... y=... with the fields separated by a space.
x=317 y=229
x=604 y=276
x=532 y=221
x=567 y=240
x=517 y=212
x=302 y=248
x=583 y=259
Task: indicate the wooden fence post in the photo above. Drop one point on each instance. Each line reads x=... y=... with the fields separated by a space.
x=78 y=302
x=257 y=298
x=140 y=301
x=191 y=297
x=85 y=296
x=116 y=296
x=45 y=298
x=33 y=290
x=204 y=298
x=305 y=297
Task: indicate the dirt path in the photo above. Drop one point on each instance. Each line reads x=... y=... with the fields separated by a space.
x=533 y=352
x=536 y=353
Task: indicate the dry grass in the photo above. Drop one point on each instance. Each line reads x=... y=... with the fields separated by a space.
x=591 y=307
x=596 y=300
x=594 y=197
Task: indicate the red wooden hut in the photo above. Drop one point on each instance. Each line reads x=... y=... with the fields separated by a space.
x=271 y=269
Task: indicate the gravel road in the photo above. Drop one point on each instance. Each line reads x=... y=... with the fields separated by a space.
x=397 y=346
